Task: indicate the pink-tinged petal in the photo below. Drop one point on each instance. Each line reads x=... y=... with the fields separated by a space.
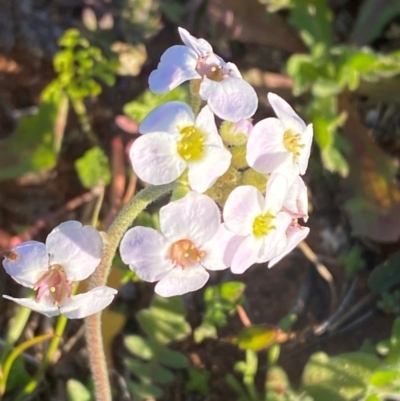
x=77 y=249
x=246 y=254
x=276 y=192
x=181 y=281
x=243 y=127
x=296 y=202
x=231 y=99
x=243 y=205
x=177 y=65
x=233 y=70
x=228 y=242
x=203 y=174
x=170 y=117
x=195 y=217
x=145 y=250
x=27 y=262
x=45 y=306
x=295 y=234
x=200 y=46
x=89 y=303
x=155 y=158
x=286 y=114
x=306 y=139
x=205 y=122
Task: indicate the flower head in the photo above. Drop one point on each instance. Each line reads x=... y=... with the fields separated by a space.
x=71 y=254
x=178 y=256
x=221 y=84
x=282 y=140
x=175 y=140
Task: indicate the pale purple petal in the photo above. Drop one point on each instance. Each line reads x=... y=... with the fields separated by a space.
x=77 y=249
x=243 y=205
x=195 y=217
x=246 y=254
x=177 y=65
x=265 y=149
x=306 y=139
x=170 y=117
x=93 y=301
x=181 y=281
x=296 y=202
x=200 y=46
x=231 y=99
x=286 y=114
x=228 y=242
x=216 y=250
x=233 y=70
x=205 y=122
x=155 y=158
x=145 y=250
x=276 y=192
x=203 y=174
x=295 y=234
x=45 y=306
x=31 y=262
x=67 y=225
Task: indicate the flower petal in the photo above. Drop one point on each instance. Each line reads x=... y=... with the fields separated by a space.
x=169 y=117
x=144 y=250
x=203 y=174
x=296 y=201
x=276 y=192
x=205 y=122
x=243 y=205
x=265 y=149
x=306 y=138
x=77 y=249
x=246 y=254
x=31 y=262
x=195 y=217
x=177 y=65
x=181 y=281
x=200 y=46
x=45 y=306
x=93 y=301
x=155 y=158
x=231 y=99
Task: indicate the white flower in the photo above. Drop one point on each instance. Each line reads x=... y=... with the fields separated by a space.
x=175 y=140
x=282 y=140
x=258 y=221
x=71 y=254
x=228 y=95
x=178 y=256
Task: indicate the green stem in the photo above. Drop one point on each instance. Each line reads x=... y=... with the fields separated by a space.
x=81 y=112
x=112 y=239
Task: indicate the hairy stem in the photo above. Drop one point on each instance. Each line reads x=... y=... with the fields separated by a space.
x=112 y=239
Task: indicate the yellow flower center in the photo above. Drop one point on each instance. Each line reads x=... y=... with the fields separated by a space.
x=190 y=145
x=183 y=253
x=292 y=142
x=262 y=224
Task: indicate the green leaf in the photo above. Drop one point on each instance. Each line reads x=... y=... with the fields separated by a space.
x=150 y=372
x=144 y=391
x=164 y=321
x=334 y=161
x=383 y=378
x=385 y=275
x=93 y=168
x=198 y=381
x=172 y=359
x=76 y=391
x=256 y=338
x=232 y=290
x=139 y=346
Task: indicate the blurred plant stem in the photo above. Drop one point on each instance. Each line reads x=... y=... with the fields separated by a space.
x=112 y=239
x=81 y=111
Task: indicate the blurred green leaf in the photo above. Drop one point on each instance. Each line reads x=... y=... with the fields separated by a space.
x=172 y=359
x=385 y=275
x=383 y=378
x=256 y=338
x=198 y=381
x=93 y=168
x=150 y=372
x=145 y=391
x=139 y=346
x=76 y=391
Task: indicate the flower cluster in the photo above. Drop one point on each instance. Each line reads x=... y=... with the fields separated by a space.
x=264 y=163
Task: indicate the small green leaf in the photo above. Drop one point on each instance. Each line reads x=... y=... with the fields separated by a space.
x=139 y=346
x=76 y=391
x=232 y=290
x=383 y=378
x=385 y=275
x=172 y=359
x=93 y=168
x=257 y=337
x=144 y=391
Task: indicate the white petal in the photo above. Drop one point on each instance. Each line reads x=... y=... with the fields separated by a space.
x=31 y=262
x=243 y=205
x=170 y=117
x=246 y=255
x=67 y=225
x=45 y=306
x=265 y=149
x=200 y=46
x=295 y=235
x=286 y=114
x=231 y=99
x=296 y=201
x=306 y=138
x=195 y=217
x=87 y=304
x=181 y=281
x=155 y=158
x=233 y=70
x=77 y=249
x=277 y=189
x=203 y=174
x=177 y=65
x=205 y=122
x=145 y=251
